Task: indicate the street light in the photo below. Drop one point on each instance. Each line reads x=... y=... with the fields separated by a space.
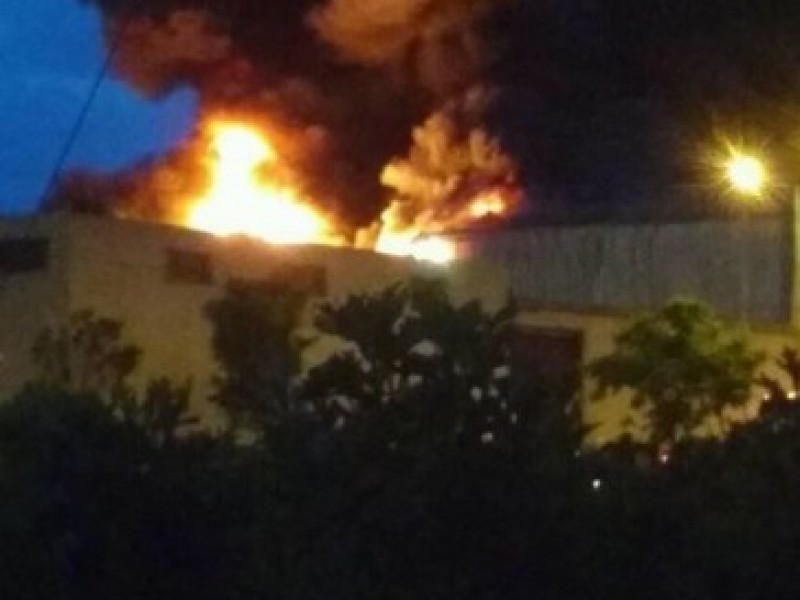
x=748 y=176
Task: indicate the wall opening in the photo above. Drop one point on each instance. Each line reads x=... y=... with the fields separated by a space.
x=24 y=255
x=548 y=358
x=188 y=266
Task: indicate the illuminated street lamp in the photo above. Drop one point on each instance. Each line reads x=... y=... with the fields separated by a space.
x=747 y=175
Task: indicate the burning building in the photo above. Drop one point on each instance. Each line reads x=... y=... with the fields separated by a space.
x=576 y=284
x=157 y=279
x=235 y=201
x=305 y=107
x=304 y=111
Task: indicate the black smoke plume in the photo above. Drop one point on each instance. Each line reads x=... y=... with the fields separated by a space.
x=616 y=96
x=351 y=78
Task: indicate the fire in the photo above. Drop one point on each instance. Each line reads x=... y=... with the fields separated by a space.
x=247 y=196
x=238 y=201
x=435 y=249
x=420 y=240
x=488 y=204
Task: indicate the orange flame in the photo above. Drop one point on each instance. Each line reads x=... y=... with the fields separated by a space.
x=422 y=239
x=488 y=204
x=239 y=202
x=435 y=249
x=242 y=199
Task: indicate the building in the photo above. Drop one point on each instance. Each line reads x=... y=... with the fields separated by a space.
x=157 y=280
x=577 y=284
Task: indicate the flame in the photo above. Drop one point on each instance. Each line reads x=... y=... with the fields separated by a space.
x=435 y=249
x=488 y=204
x=239 y=202
x=246 y=197
x=419 y=239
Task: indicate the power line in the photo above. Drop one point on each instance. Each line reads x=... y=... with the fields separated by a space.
x=79 y=122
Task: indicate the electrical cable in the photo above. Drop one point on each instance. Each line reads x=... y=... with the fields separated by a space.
x=78 y=124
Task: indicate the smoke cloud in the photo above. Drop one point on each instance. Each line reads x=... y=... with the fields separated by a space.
x=338 y=84
x=610 y=96
x=433 y=41
x=155 y=55
x=453 y=162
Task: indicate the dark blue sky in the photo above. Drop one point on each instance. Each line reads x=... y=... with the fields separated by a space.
x=50 y=54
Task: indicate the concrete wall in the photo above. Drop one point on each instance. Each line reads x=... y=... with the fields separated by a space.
x=32 y=300
x=119 y=270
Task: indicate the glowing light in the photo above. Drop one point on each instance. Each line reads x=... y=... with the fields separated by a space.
x=433 y=249
x=746 y=174
x=597 y=484
x=488 y=204
x=238 y=202
x=239 y=145
x=251 y=192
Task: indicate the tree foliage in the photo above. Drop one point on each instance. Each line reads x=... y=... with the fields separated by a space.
x=256 y=347
x=87 y=354
x=775 y=390
x=106 y=491
x=408 y=349
x=433 y=458
x=683 y=368
x=409 y=464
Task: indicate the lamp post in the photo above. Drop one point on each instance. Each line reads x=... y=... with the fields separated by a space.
x=748 y=176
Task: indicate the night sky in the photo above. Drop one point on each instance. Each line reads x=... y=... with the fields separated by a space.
x=605 y=95
x=51 y=52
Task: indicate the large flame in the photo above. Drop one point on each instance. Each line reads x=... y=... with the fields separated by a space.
x=239 y=201
x=245 y=197
x=424 y=239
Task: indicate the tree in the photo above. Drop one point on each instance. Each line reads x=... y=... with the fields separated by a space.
x=417 y=360
x=256 y=346
x=105 y=492
x=406 y=465
x=789 y=363
x=87 y=354
x=683 y=368
x=426 y=435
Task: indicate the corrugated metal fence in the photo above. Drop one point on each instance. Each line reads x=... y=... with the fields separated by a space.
x=741 y=267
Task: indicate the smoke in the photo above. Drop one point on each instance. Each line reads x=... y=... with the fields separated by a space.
x=595 y=94
x=454 y=174
x=433 y=41
x=156 y=55
x=338 y=84
x=153 y=190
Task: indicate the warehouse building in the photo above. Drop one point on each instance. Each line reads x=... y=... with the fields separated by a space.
x=578 y=284
x=157 y=280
